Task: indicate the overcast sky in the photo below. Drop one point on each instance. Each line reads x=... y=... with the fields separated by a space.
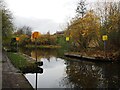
x=43 y=15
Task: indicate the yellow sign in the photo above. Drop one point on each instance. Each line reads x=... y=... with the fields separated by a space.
x=35 y=35
x=17 y=38
x=67 y=38
x=104 y=37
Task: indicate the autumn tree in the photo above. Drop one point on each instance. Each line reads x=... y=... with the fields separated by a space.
x=85 y=29
x=24 y=33
x=113 y=24
x=109 y=13
x=24 y=40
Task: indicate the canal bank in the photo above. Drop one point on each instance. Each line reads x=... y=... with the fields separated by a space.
x=11 y=77
x=96 y=56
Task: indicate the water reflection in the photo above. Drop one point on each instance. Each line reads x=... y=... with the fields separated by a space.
x=64 y=73
x=54 y=70
x=91 y=75
x=41 y=53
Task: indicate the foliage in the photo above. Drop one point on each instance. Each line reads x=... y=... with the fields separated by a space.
x=85 y=29
x=7 y=24
x=24 y=39
x=24 y=34
x=61 y=41
x=24 y=30
x=46 y=39
x=113 y=25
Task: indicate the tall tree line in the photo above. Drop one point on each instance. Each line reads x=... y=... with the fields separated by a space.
x=90 y=25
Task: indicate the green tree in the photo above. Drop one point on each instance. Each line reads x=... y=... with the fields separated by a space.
x=7 y=24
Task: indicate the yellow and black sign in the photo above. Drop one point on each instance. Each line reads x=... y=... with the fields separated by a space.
x=104 y=37
x=67 y=38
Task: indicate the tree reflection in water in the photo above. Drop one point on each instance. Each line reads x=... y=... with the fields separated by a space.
x=91 y=75
x=77 y=74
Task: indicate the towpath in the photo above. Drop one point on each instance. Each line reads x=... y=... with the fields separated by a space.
x=11 y=77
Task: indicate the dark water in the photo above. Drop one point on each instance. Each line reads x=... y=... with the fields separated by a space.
x=59 y=72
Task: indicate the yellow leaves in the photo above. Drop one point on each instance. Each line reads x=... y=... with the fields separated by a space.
x=86 y=27
x=84 y=33
x=112 y=23
x=22 y=36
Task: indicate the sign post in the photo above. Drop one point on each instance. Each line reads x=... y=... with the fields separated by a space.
x=105 y=38
x=36 y=35
x=17 y=39
x=67 y=40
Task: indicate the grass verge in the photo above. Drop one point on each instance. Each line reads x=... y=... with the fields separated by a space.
x=20 y=62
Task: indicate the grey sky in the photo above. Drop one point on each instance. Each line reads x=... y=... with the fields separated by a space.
x=42 y=25
x=43 y=15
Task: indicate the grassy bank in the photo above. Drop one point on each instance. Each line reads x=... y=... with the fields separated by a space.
x=43 y=46
x=20 y=62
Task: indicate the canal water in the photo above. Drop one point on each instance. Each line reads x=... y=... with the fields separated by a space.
x=61 y=72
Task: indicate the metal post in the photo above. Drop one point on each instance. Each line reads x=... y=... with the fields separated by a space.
x=36 y=60
x=104 y=49
x=68 y=46
x=36 y=49
x=36 y=82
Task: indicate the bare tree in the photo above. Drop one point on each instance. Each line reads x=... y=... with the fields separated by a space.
x=81 y=8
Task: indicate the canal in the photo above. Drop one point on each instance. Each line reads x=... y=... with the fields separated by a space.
x=61 y=72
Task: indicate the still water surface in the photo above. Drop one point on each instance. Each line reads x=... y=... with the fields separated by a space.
x=59 y=72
